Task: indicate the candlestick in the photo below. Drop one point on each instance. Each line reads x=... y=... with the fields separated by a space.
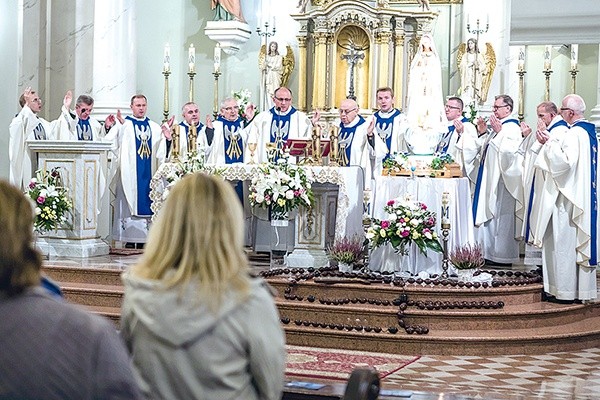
x=166 y=97
x=574 y=56
x=192 y=133
x=521 y=108
x=217 y=58
x=167 y=59
x=216 y=74
x=548 y=58
x=175 y=142
x=192 y=58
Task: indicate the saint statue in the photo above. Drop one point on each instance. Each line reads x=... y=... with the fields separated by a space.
x=425 y=102
x=476 y=70
x=227 y=10
x=276 y=68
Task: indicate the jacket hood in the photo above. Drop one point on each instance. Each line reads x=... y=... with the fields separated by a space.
x=175 y=315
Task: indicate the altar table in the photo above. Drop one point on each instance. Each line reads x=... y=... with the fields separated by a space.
x=429 y=191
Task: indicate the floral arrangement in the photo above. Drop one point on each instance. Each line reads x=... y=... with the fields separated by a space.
x=190 y=164
x=347 y=250
x=408 y=222
x=439 y=161
x=52 y=201
x=471 y=115
x=281 y=186
x=397 y=160
x=242 y=97
x=467 y=257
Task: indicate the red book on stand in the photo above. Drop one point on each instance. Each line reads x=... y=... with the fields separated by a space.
x=301 y=147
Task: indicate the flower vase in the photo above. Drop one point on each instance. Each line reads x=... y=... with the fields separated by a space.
x=465 y=275
x=405 y=265
x=344 y=267
x=279 y=239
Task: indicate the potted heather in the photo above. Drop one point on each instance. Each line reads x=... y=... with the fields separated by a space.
x=347 y=252
x=467 y=259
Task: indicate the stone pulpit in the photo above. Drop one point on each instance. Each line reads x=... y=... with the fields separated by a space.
x=82 y=167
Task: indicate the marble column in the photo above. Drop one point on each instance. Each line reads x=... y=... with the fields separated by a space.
x=115 y=56
x=320 y=78
x=399 y=69
x=302 y=60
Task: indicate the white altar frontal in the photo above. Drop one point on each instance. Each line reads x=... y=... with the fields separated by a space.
x=337 y=211
x=81 y=165
x=429 y=191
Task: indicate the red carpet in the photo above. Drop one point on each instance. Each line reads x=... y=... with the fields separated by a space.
x=314 y=362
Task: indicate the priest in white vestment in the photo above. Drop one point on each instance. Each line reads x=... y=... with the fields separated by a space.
x=26 y=125
x=460 y=140
x=565 y=222
x=498 y=185
x=191 y=118
x=80 y=125
x=230 y=136
x=142 y=148
x=358 y=145
x=549 y=123
x=279 y=124
x=390 y=125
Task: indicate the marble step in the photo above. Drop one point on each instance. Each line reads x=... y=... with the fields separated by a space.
x=535 y=315
x=90 y=294
x=106 y=276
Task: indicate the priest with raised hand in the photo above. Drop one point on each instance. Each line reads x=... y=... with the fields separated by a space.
x=79 y=125
x=280 y=123
x=26 y=125
x=191 y=118
x=565 y=221
x=358 y=145
x=498 y=185
x=227 y=144
x=141 y=148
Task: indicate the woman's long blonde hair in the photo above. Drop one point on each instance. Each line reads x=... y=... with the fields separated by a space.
x=198 y=238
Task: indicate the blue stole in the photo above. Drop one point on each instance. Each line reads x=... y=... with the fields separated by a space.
x=143 y=163
x=384 y=127
x=562 y=122
x=84 y=130
x=39 y=133
x=280 y=124
x=480 y=171
x=444 y=143
x=591 y=131
x=346 y=137
x=233 y=149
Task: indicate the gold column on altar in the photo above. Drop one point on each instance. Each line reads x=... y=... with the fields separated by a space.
x=320 y=78
x=399 y=70
x=383 y=41
x=302 y=73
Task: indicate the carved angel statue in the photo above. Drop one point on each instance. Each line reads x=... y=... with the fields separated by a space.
x=476 y=71
x=276 y=68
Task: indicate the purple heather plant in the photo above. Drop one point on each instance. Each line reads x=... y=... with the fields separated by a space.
x=467 y=257
x=347 y=250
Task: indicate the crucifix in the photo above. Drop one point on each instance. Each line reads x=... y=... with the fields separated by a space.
x=353 y=56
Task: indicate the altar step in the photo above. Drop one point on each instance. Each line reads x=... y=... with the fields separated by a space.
x=523 y=325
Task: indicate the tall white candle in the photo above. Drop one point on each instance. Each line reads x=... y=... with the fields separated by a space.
x=574 y=56
x=548 y=58
x=167 y=59
x=521 y=65
x=445 y=208
x=192 y=58
x=217 y=57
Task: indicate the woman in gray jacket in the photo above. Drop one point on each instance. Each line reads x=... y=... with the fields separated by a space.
x=197 y=325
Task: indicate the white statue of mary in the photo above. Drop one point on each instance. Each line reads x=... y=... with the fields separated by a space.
x=425 y=103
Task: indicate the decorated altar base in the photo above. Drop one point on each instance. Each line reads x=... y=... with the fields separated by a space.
x=337 y=210
x=428 y=191
x=80 y=165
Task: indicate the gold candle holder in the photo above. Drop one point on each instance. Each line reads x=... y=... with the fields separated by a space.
x=521 y=74
x=216 y=74
x=574 y=72
x=166 y=73
x=191 y=74
x=334 y=146
x=175 y=142
x=192 y=136
x=547 y=73
x=316 y=138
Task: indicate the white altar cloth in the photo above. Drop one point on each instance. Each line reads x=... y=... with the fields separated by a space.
x=348 y=179
x=428 y=191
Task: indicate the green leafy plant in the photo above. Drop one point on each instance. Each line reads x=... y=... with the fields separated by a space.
x=440 y=161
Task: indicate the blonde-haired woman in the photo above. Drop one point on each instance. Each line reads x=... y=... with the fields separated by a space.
x=197 y=325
